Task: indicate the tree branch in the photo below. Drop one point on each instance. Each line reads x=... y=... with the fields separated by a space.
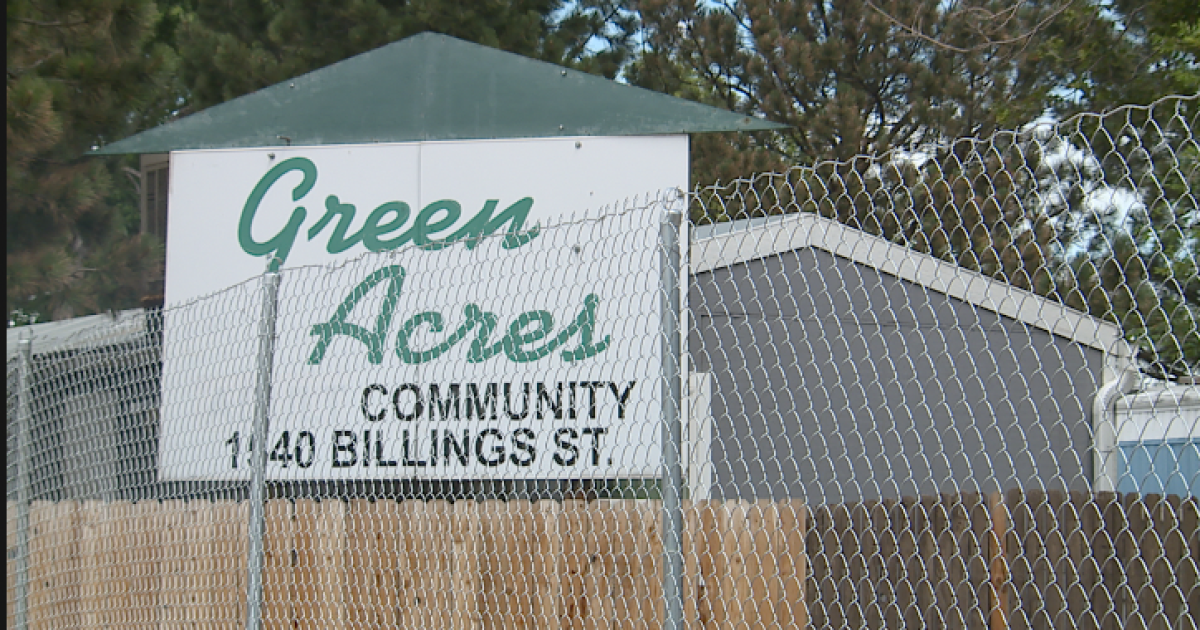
x=135 y=177
x=18 y=71
x=986 y=16
x=57 y=24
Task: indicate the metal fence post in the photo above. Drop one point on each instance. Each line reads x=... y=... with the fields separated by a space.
x=672 y=429
x=262 y=408
x=24 y=393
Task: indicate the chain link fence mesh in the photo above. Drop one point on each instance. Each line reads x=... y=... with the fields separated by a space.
x=953 y=386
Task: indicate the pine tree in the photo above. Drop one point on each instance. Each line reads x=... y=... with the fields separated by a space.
x=79 y=73
x=1153 y=50
x=848 y=77
x=231 y=50
x=1136 y=260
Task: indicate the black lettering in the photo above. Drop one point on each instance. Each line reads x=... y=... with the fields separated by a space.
x=452 y=402
x=461 y=449
x=508 y=402
x=379 y=460
x=479 y=405
x=595 y=432
x=341 y=446
x=522 y=445
x=591 y=387
x=497 y=447
x=566 y=447
x=366 y=401
x=408 y=460
x=282 y=452
x=418 y=402
x=621 y=398
x=555 y=404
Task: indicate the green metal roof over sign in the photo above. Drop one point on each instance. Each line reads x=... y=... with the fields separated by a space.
x=434 y=87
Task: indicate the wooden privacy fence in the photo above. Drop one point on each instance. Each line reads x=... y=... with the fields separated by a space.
x=1024 y=560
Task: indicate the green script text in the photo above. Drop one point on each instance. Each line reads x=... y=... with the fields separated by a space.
x=530 y=335
x=381 y=230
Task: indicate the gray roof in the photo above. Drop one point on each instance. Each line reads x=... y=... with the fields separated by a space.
x=91 y=331
x=725 y=244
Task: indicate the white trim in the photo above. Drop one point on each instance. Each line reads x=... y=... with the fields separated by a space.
x=777 y=235
x=1106 y=468
x=1172 y=413
x=697 y=443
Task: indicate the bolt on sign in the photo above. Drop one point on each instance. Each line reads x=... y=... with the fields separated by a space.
x=447 y=309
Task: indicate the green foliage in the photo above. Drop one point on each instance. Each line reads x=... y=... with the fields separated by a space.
x=1144 y=274
x=227 y=53
x=1153 y=50
x=847 y=76
x=78 y=73
x=862 y=77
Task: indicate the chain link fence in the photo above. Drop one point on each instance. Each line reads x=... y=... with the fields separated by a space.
x=953 y=386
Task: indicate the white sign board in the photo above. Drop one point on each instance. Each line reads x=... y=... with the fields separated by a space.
x=447 y=310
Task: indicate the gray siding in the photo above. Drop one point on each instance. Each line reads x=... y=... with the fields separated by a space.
x=835 y=383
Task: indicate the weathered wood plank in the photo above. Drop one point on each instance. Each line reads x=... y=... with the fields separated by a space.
x=306 y=587
x=1112 y=524
x=575 y=531
x=467 y=601
x=1188 y=573
x=928 y=563
x=691 y=566
x=143 y=549
x=1024 y=549
x=1083 y=553
x=1137 y=576
x=852 y=563
x=1169 y=568
x=976 y=575
x=12 y=546
x=371 y=560
x=646 y=519
x=91 y=564
x=735 y=583
x=548 y=565
x=599 y=550
x=910 y=522
x=764 y=574
x=791 y=609
x=409 y=570
x=710 y=609
x=999 y=610
x=54 y=564
x=279 y=565
x=330 y=568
